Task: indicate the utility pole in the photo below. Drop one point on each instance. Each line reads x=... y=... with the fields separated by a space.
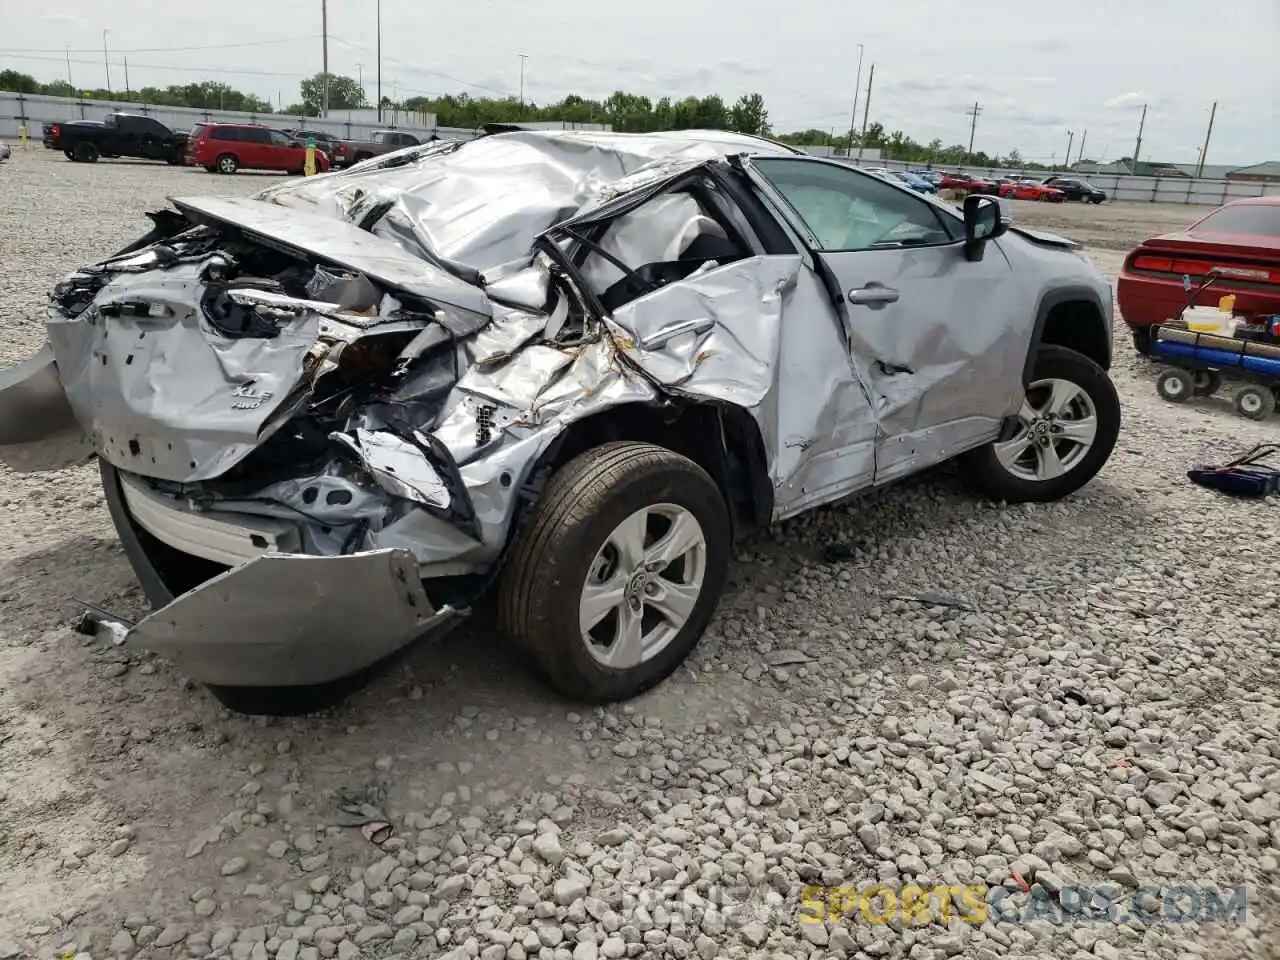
x=1207 y=134
x=1080 y=156
x=106 y=64
x=853 y=112
x=379 y=61
x=324 y=33
x=866 y=111
x=69 y=83
x=1071 y=135
x=523 y=57
x=973 y=125
x=359 y=81
x=1138 y=147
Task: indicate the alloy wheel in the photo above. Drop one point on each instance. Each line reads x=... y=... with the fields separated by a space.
x=1057 y=424
x=642 y=585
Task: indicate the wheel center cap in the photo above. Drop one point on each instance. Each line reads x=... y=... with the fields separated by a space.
x=636 y=588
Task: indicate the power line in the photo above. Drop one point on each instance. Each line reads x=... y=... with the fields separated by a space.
x=214 y=46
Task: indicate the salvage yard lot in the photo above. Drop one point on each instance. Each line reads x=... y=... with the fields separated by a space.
x=1079 y=694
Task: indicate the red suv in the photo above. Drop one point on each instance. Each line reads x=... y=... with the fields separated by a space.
x=228 y=147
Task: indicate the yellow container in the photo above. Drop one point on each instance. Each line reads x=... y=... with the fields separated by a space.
x=1227 y=304
x=1206 y=320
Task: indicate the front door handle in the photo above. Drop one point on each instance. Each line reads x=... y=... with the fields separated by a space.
x=874 y=295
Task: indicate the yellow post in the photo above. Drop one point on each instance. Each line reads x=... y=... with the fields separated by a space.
x=310 y=168
x=22 y=134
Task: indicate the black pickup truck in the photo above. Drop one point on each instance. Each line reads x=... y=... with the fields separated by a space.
x=120 y=135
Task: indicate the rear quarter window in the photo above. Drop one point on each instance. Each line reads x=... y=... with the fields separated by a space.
x=224 y=133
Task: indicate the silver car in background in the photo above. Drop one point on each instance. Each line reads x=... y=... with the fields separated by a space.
x=554 y=372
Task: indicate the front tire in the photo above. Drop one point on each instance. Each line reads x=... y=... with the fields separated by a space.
x=227 y=163
x=1068 y=425
x=617 y=571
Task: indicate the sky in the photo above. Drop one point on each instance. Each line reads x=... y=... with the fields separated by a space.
x=1037 y=69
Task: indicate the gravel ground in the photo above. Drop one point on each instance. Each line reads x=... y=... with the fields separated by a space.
x=1038 y=701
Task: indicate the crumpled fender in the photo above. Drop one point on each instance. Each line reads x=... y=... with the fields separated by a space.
x=38 y=430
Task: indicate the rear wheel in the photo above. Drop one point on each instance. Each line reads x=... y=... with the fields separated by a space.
x=227 y=163
x=1206 y=382
x=617 y=571
x=86 y=152
x=1067 y=428
x=1256 y=403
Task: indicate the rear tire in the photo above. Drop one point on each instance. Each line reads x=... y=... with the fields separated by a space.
x=591 y=535
x=1061 y=444
x=1205 y=383
x=85 y=152
x=1255 y=403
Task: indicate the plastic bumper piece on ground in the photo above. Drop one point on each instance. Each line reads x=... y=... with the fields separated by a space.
x=284 y=620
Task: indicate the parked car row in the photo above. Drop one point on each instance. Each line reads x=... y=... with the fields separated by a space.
x=218 y=147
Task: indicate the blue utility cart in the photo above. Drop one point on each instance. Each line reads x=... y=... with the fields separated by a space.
x=1198 y=362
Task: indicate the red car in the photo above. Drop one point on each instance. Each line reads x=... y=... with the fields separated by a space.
x=1237 y=245
x=1031 y=190
x=962 y=181
x=228 y=147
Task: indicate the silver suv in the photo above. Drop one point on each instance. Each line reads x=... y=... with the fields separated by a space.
x=556 y=371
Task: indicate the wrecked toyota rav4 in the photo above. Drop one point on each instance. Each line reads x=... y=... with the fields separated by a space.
x=558 y=372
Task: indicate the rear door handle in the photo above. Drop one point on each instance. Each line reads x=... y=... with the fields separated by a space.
x=874 y=295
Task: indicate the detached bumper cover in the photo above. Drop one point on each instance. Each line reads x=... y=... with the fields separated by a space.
x=292 y=620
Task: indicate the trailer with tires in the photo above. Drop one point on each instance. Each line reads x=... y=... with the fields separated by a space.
x=1199 y=361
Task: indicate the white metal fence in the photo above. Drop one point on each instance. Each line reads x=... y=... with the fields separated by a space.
x=37 y=109
x=1186 y=190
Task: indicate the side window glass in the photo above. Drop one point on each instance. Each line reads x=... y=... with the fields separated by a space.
x=279 y=139
x=848 y=210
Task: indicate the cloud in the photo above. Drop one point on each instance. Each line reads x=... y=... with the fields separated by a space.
x=1132 y=99
x=61 y=19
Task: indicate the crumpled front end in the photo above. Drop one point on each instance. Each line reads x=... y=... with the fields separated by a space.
x=293 y=405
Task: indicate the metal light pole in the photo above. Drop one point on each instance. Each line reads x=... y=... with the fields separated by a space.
x=126 y=77
x=69 y=83
x=1204 y=151
x=324 y=33
x=360 y=81
x=1137 y=147
x=853 y=113
x=866 y=110
x=1071 y=136
x=106 y=64
x=1083 y=138
x=379 y=61
x=523 y=58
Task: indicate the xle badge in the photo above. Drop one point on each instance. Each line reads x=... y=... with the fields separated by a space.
x=247 y=398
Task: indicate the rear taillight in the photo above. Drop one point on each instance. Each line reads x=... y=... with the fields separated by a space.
x=55 y=130
x=1201 y=268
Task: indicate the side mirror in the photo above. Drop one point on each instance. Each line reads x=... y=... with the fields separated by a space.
x=985 y=218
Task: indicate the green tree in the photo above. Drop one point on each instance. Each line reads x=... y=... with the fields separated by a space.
x=750 y=116
x=18 y=82
x=344 y=92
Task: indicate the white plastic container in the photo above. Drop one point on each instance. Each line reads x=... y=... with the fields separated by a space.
x=1208 y=320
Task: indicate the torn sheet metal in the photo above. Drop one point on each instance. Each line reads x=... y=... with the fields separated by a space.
x=484 y=202
x=715 y=335
x=313 y=235
x=165 y=396
x=38 y=428
x=400 y=467
x=342 y=614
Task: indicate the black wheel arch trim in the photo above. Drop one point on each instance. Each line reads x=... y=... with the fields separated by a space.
x=1056 y=298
